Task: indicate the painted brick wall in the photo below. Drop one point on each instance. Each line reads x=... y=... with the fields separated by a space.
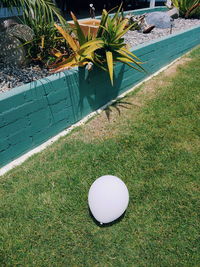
x=32 y=113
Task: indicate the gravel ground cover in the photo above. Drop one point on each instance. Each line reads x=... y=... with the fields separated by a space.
x=11 y=77
x=133 y=38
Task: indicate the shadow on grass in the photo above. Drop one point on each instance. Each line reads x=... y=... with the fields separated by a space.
x=117 y=105
x=105 y=225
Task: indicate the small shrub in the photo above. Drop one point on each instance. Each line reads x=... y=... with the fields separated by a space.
x=40 y=16
x=188 y=8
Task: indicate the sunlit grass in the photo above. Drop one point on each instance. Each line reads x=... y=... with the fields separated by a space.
x=44 y=218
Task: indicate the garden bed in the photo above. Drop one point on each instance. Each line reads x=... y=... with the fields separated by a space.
x=11 y=77
x=133 y=38
x=32 y=113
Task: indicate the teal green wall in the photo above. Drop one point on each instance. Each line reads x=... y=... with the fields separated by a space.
x=31 y=114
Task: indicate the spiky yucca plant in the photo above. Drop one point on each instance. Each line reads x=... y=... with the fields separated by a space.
x=103 y=50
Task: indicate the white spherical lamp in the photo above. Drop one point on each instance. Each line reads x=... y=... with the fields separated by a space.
x=108 y=198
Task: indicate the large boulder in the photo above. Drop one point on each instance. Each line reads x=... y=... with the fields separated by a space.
x=13 y=36
x=159 y=19
x=20 y=31
x=11 y=51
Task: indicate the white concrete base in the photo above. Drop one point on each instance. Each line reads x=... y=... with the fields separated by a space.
x=38 y=149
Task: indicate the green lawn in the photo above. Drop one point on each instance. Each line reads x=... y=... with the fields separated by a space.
x=44 y=218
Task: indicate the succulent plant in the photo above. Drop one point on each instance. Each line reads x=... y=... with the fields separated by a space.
x=103 y=50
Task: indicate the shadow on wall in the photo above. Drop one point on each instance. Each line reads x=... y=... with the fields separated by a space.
x=89 y=92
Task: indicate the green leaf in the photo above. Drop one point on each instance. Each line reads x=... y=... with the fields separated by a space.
x=92 y=42
x=90 y=49
x=104 y=19
x=67 y=37
x=129 y=52
x=80 y=34
x=109 y=57
x=121 y=26
x=127 y=62
x=117 y=13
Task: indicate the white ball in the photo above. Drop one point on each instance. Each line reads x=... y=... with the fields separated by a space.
x=108 y=198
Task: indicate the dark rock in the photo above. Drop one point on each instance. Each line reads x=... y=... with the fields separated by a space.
x=11 y=51
x=148 y=29
x=159 y=19
x=13 y=35
x=6 y=24
x=22 y=32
